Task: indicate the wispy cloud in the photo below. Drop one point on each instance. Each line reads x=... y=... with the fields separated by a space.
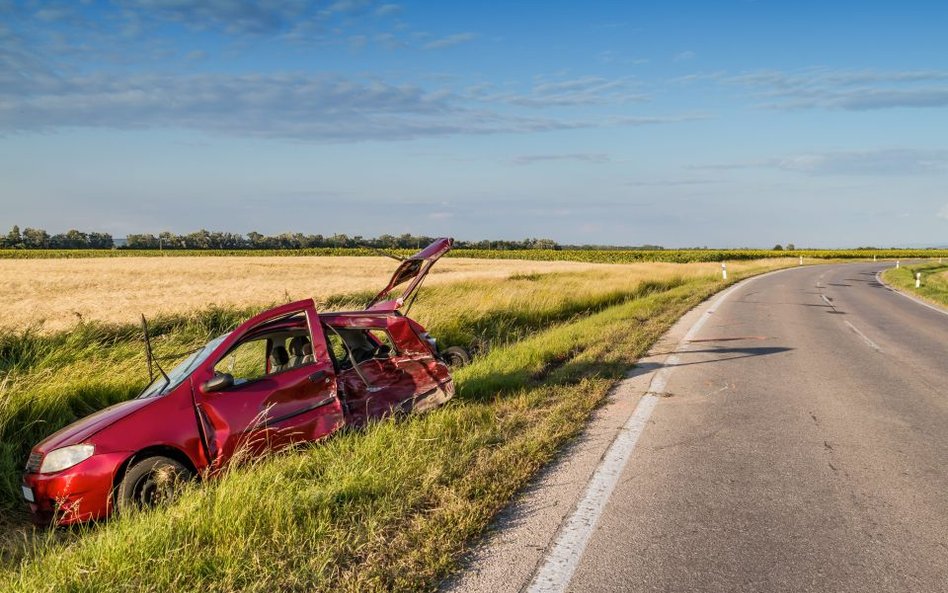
x=388 y=10
x=672 y=182
x=320 y=108
x=867 y=162
x=124 y=30
x=583 y=91
x=684 y=56
x=585 y=157
x=850 y=90
x=449 y=41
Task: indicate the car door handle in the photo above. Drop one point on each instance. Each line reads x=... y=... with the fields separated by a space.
x=318 y=376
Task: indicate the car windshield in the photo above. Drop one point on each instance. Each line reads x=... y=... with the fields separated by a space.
x=179 y=373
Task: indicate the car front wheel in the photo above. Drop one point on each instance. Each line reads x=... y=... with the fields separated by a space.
x=150 y=482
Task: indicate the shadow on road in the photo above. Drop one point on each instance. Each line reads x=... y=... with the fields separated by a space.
x=647 y=367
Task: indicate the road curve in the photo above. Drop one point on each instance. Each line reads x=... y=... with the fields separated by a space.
x=801 y=445
x=804 y=447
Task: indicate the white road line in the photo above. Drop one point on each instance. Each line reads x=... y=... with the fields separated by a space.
x=872 y=344
x=909 y=296
x=828 y=302
x=556 y=571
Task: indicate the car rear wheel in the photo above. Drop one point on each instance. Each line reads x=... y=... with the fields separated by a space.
x=455 y=356
x=150 y=482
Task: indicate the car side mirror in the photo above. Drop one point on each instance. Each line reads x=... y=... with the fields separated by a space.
x=218 y=382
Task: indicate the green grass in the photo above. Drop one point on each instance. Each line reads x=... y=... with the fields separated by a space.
x=388 y=508
x=934 y=280
x=49 y=381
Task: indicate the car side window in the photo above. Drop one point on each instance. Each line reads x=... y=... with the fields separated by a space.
x=338 y=348
x=350 y=345
x=247 y=362
x=386 y=346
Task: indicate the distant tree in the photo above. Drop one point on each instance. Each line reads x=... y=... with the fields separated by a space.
x=101 y=241
x=168 y=240
x=778 y=247
x=35 y=238
x=13 y=238
x=791 y=247
x=143 y=241
x=544 y=244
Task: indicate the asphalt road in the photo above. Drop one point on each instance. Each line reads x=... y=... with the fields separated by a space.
x=801 y=445
x=804 y=447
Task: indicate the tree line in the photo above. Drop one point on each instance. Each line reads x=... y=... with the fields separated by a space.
x=31 y=238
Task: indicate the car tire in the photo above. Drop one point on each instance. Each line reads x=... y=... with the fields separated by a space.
x=150 y=482
x=455 y=356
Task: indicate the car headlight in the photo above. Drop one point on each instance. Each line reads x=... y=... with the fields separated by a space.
x=66 y=457
x=433 y=343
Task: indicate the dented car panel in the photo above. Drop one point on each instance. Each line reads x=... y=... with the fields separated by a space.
x=286 y=375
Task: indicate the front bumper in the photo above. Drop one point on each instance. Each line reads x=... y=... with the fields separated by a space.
x=80 y=493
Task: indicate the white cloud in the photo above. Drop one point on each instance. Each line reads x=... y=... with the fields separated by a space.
x=587 y=90
x=449 y=41
x=849 y=90
x=684 y=56
x=883 y=162
x=529 y=159
x=321 y=108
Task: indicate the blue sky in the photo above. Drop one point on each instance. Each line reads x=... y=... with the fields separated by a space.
x=676 y=123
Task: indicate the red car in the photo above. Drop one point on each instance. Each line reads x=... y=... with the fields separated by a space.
x=289 y=374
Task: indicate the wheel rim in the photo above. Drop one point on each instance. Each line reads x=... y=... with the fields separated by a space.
x=154 y=487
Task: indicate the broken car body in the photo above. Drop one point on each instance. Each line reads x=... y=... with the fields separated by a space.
x=287 y=375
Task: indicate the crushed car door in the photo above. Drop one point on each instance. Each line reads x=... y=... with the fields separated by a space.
x=269 y=400
x=373 y=383
x=413 y=271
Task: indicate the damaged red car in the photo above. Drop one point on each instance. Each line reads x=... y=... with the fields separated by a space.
x=287 y=375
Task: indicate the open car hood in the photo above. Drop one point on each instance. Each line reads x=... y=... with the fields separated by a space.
x=412 y=270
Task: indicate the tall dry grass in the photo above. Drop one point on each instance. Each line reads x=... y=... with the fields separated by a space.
x=61 y=292
x=56 y=294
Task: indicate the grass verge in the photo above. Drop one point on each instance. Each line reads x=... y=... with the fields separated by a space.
x=50 y=380
x=390 y=508
x=934 y=281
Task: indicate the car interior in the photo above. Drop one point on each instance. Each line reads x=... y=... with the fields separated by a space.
x=363 y=344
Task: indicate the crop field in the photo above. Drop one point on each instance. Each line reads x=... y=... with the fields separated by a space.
x=55 y=294
x=390 y=507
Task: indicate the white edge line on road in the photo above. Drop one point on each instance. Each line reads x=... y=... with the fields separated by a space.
x=556 y=571
x=908 y=296
x=827 y=301
x=865 y=338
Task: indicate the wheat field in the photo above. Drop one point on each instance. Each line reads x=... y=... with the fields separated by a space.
x=55 y=294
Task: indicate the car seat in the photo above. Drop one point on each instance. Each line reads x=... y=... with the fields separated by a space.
x=279 y=359
x=297 y=355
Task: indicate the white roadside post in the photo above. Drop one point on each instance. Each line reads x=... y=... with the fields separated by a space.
x=897 y=264
x=724 y=270
x=801 y=260
x=918 y=279
x=873 y=258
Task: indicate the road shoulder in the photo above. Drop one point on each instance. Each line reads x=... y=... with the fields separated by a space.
x=519 y=538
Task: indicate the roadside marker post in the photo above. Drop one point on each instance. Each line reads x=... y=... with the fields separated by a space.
x=873 y=258
x=724 y=270
x=898 y=264
x=801 y=260
x=918 y=279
